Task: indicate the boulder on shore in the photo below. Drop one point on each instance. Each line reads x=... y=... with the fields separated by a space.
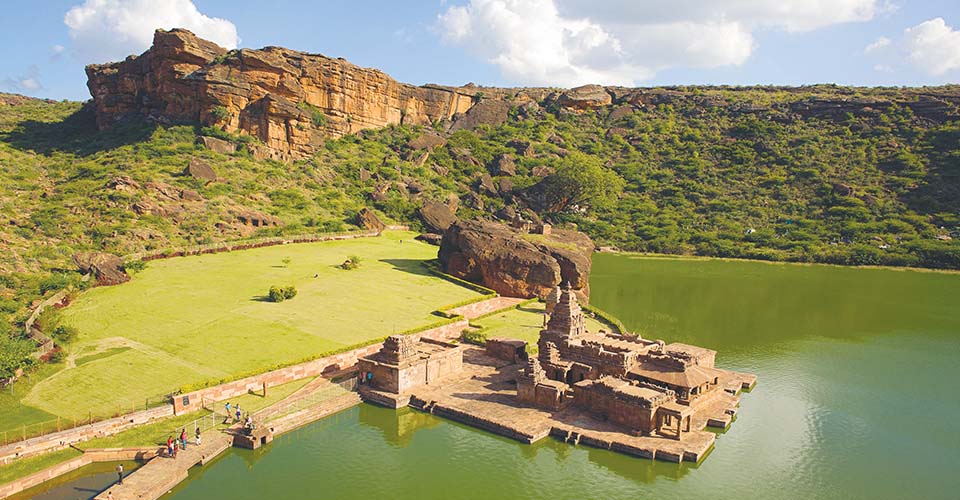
x=107 y=269
x=500 y=258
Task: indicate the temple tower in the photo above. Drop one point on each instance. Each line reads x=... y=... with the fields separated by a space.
x=566 y=320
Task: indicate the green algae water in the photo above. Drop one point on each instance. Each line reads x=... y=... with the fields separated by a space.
x=857 y=398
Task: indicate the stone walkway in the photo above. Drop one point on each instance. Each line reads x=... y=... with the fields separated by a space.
x=161 y=474
x=484 y=307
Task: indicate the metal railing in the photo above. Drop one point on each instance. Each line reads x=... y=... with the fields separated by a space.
x=118 y=409
x=321 y=395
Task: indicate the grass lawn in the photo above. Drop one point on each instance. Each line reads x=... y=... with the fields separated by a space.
x=26 y=466
x=193 y=319
x=524 y=323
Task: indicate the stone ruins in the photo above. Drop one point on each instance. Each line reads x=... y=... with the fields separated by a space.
x=615 y=391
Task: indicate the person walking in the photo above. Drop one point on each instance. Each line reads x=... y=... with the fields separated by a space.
x=176 y=447
x=183 y=438
x=119 y=473
x=238 y=414
x=198 y=436
x=170 y=446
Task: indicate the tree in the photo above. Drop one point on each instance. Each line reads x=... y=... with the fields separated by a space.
x=583 y=181
x=14 y=354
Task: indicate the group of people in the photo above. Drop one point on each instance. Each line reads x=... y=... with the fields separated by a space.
x=180 y=443
x=236 y=413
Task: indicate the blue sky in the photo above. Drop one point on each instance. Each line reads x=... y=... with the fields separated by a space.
x=513 y=42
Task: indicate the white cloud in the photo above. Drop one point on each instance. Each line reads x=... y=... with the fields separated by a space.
x=933 y=47
x=28 y=82
x=105 y=30
x=572 y=42
x=878 y=45
x=56 y=52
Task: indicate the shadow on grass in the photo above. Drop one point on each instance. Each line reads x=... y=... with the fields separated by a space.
x=412 y=266
x=261 y=298
x=530 y=309
x=76 y=134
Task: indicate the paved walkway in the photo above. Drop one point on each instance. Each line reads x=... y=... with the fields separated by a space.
x=161 y=474
x=484 y=307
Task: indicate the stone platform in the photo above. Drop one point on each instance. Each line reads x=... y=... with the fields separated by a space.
x=483 y=395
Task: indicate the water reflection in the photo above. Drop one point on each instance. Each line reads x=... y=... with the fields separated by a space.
x=84 y=483
x=397 y=427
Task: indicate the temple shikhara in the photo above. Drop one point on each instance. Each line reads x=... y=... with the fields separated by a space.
x=609 y=390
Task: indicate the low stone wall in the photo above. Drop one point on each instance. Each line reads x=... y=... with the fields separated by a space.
x=62 y=439
x=88 y=457
x=195 y=400
x=14 y=487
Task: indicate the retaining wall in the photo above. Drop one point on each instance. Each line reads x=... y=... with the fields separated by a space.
x=195 y=400
x=62 y=439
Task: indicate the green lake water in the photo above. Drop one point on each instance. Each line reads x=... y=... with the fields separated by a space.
x=857 y=397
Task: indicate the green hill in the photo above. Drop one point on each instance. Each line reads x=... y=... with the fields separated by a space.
x=759 y=173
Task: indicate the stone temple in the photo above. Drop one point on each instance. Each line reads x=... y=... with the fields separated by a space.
x=608 y=390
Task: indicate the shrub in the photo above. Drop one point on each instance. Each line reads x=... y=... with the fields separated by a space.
x=134 y=266
x=352 y=262
x=219 y=113
x=64 y=334
x=279 y=294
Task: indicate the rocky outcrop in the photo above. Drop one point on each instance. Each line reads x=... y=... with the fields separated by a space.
x=107 y=269
x=437 y=217
x=369 y=220
x=498 y=257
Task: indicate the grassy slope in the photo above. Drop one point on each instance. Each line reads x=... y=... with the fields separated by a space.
x=188 y=320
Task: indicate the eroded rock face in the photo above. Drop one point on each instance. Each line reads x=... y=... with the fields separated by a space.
x=502 y=259
x=106 y=268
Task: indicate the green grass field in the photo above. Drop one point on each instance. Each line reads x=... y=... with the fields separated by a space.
x=193 y=319
x=524 y=323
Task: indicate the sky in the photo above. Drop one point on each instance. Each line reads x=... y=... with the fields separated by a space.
x=561 y=43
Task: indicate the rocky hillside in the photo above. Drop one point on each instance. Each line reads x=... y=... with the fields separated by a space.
x=189 y=143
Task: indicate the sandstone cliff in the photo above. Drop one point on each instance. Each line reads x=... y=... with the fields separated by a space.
x=289 y=100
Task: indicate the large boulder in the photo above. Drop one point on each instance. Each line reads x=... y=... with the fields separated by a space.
x=200 y=170
x=491 y=112
x=437 y=217
x=429 y=140
x=504 y=165
x=367 y=219
x=107 y=269
x=218 y=145
x=498 y=257
x=585 y=97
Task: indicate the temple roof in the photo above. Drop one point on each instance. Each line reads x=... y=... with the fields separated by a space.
x=688 y=378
